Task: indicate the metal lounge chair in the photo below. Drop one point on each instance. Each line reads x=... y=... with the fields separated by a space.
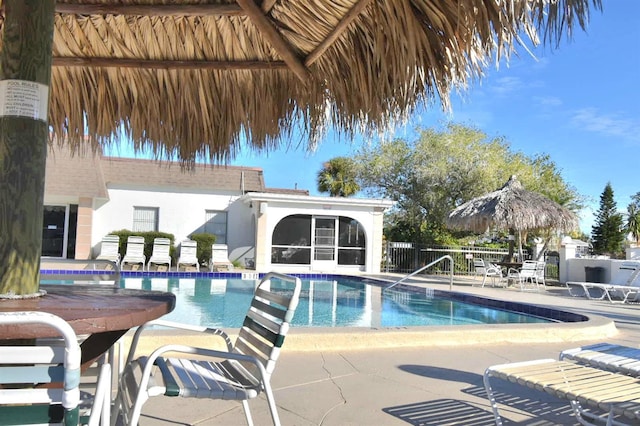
x=242 y=375
x=220 y=258
x=596 y=396
x=110 y=249
x=41 y=364
x=160 y=254
x=488 y=270
x=623 y=287
x=135 y=252
x=606 y=356
x=188 y=254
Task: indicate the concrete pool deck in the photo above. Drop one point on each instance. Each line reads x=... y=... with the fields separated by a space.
x=436 y=382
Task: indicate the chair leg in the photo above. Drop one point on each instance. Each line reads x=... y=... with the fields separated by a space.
x=587 y=418
x=137 y=411
x=247 y=412
x=272 y=404
x=131 y=395
x=492 y=399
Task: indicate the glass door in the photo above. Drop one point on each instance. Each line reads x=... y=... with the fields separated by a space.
x=324 y=243
x=54 y=236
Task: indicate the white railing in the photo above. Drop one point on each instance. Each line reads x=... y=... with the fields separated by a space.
x=438 y=260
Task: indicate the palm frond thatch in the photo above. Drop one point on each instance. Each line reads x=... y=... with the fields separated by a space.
x=511 y=208
x=197 y=77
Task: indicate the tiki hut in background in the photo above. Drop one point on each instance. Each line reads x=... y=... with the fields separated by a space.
x=198 y=79
x=512 y=209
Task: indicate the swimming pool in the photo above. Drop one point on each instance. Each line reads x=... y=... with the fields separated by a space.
x=332 y=301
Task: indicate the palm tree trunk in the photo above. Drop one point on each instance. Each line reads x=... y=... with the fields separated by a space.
x=25 y=75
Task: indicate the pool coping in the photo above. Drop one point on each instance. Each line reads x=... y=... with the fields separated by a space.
x=361 y=338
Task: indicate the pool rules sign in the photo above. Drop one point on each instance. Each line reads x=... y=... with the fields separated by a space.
x=20 y=98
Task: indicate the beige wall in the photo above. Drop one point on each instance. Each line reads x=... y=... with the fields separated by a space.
x=83 y=232
x=377 y=240
x=263 y=242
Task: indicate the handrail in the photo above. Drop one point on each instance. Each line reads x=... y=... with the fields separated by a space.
x=446 y=256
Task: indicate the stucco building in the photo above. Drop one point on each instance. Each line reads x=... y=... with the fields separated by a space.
x=88 y=195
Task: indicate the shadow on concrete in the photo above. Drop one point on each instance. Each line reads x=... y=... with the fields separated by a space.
x=541 y=408
x=441 y=412
x=440 y=373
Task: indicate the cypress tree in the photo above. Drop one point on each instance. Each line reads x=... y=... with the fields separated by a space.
x=607 y=234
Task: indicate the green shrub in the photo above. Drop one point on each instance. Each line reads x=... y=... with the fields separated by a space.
x=124 y=234
x=205 y=241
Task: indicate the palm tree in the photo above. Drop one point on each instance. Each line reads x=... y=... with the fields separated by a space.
x=633 y=221
x=338 y=177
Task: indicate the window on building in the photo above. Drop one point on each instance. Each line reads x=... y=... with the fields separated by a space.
x=216 y=224
x=145 y=219
x=291 y=242
x=351 y=242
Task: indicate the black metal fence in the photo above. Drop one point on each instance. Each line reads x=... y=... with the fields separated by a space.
x=406 y=257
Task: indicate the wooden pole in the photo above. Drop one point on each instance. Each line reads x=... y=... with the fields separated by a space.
x=512 y=236
x=25 y=75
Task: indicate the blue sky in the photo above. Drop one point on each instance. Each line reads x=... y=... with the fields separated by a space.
x=579 y=103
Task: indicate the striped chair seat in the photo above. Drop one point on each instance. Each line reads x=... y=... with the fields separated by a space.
x=606 y=356
x=201 y=379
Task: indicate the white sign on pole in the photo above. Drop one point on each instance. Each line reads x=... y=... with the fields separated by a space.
x=20 y=98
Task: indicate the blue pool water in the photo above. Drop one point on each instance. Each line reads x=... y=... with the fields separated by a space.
x=335 y=302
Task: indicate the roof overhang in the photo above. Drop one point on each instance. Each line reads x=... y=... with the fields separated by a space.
x=378 y=204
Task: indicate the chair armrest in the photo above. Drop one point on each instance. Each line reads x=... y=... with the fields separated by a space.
x=176 y=325
x=205 y=353
x=492 y=268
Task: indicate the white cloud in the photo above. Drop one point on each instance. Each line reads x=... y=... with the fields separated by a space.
x=547 y=101
x=611 y=125
x=506 y=85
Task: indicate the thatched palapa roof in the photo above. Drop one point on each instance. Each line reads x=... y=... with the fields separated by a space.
x=511 y=208
x=188 y=77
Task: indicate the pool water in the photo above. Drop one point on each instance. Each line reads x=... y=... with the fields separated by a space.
x=342 y=302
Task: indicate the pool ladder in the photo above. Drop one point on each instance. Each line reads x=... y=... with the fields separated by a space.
x=440 y=259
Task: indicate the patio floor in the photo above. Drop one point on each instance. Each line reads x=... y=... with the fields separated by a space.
x=431 y=384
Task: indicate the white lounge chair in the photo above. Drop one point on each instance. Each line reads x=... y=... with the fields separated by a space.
x=488 y=270
x=606 y=356
x=623 y=287
x=135 y=252
x=160 y=254
x=188 y=254
x=110 y=249
x=45 y=364
x=240 y=373
x=220 y=258
x=598 y=396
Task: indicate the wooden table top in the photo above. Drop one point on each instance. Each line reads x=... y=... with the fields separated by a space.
x=103 y=312
x=514 y=265
x=89 y=308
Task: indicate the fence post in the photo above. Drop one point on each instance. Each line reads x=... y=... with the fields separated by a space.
x=567 y=251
